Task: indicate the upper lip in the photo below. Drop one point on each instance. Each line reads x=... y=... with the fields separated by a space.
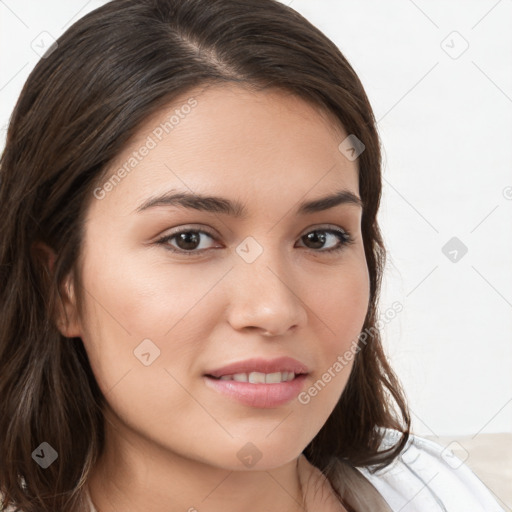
x=280 y=364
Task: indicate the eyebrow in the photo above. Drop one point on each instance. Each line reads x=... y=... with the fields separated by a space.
x=215 y=204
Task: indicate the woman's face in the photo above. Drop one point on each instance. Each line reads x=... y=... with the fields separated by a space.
x=158 y=322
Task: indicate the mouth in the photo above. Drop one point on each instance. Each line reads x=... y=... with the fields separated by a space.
x=259 y=377
x=259 y=383
x=256 y=369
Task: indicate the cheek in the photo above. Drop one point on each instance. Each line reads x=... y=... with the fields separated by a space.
x=340 y=309
x=142 y=322
x=133 y=295
x=354 y=306
x=341 y=304
x=141 y=342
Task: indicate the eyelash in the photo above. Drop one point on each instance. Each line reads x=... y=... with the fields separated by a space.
x=345 y=237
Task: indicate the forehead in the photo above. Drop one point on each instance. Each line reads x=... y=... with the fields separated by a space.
x=230 y=139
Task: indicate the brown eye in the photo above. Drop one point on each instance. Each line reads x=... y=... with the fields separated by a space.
x=187 y=241
x=319 y=237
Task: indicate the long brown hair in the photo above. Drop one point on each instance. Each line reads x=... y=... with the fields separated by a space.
x=80 y=106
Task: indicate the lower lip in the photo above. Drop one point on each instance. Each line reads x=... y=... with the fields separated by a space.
x=264 y=396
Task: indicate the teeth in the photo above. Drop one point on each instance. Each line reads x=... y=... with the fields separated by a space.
x=256 y=378
x=261 y=378
x=272 y=378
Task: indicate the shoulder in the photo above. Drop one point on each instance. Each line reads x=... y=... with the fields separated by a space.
x=426 y=477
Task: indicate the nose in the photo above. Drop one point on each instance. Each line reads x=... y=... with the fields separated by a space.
x=265 y=298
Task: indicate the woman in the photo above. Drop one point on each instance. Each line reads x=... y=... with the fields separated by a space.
x=191 y=264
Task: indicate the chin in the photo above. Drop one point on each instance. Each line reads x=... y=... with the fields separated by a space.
x=262 y=454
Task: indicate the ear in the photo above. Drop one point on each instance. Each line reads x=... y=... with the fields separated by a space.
x=66 y=319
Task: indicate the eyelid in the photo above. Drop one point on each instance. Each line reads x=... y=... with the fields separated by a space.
x=212 y=233
x=190 y=227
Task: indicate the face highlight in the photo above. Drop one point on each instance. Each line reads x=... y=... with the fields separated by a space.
x=179 y=288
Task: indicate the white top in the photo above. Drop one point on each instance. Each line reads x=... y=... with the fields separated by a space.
x=425 y=477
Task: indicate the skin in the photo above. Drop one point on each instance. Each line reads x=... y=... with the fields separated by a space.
x=172 y=442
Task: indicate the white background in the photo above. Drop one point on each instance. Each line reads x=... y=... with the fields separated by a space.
x=445 y=121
